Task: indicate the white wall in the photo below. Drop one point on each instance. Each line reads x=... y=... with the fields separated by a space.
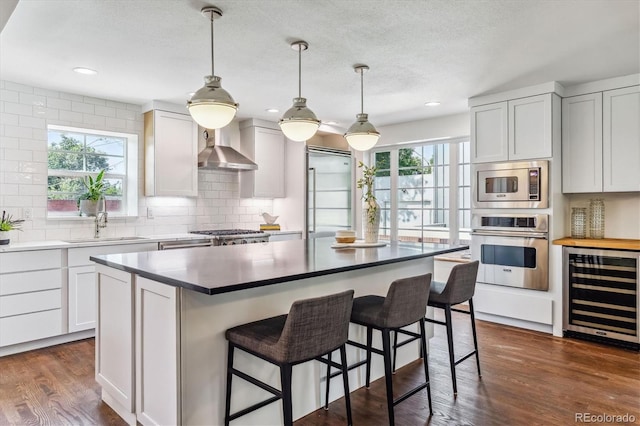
x=449 y=126
x=621 y=213
x=26 y=111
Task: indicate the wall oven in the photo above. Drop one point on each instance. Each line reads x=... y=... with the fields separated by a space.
x=511 y=185
x=601 y=298
x=513 y=250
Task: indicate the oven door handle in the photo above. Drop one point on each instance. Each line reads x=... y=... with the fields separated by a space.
x=538 y=235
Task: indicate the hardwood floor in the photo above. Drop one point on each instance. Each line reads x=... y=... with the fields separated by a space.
x=528 y=378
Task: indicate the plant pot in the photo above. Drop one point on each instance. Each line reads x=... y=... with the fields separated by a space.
x=371 y=223
x=4 y=238
x=91 y=207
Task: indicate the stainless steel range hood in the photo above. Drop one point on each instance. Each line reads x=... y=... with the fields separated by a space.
x=219 y=155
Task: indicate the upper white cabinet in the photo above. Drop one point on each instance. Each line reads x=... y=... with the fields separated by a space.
x=582 y=143
x=171 y=154
x=519 y=129
x=266 y=147
x=601 y=141
x=489 y=133
x=621 y=139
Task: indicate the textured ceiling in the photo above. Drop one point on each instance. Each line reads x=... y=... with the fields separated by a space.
x=418 y=50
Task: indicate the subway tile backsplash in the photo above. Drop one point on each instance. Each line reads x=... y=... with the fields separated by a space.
x=26 y=111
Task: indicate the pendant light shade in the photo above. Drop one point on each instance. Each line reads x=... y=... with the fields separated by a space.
x=299 y=123
x=362 y=135
x=212 y=107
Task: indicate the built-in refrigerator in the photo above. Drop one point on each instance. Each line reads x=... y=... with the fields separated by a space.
x=329 y=202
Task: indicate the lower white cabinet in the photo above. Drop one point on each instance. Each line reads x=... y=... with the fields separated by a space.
x=82 y=291
x=157 y=367
x=82 y=282
x=114 y=340
x=30 y=296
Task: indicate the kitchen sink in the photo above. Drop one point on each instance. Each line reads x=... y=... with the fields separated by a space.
x=99 y=240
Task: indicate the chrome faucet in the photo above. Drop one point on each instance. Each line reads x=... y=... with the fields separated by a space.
x=101 y=219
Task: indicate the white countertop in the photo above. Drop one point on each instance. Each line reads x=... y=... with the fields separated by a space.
x=89 y=242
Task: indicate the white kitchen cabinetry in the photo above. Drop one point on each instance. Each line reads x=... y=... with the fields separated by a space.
x=157 y=367
x=582 y=143
x=489 y=133
x=601 y=141
x=171 y=154
x=115 y=363
x=266 y=147
x=82 y=281
x=30 y=296
x=621 y=140
x=519 y=129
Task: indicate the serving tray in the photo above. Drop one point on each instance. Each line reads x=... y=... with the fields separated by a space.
x=358 y=244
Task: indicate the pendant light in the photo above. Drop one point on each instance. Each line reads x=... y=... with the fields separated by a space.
x=299 y=123
x=212 y=107
x=362 y=136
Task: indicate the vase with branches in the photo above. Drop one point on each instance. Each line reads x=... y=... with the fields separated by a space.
x=371 y=209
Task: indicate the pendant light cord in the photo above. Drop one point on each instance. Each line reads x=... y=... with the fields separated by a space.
x=299 y=70
x=212 y=60
x=361 y=91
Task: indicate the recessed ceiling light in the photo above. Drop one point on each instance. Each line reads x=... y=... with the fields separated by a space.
x=432 y=103
x=272 y=110
x=85 y=71
x=331 y=122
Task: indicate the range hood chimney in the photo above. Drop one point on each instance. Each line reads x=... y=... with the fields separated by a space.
x=219 y=155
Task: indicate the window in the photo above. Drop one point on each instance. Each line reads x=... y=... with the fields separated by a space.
x=422 y=197
x=74 y=154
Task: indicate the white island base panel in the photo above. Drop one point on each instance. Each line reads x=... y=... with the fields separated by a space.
x=180 y=372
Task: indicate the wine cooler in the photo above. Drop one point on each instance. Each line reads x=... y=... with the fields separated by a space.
x=601 y=296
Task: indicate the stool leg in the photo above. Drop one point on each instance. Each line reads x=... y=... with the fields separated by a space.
x=227 y=408
x=326 y=399
x=345 y=379
x=447 y=314
x=386 y=348
x=285 y=378
x=423 y=349
x=369 y=343
x=395 y=344
x=475 y=337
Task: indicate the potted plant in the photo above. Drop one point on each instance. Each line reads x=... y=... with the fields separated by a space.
x=8 y=223
x=371 y=209
x=89 y=202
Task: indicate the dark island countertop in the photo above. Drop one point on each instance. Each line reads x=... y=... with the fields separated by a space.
x=215 y=270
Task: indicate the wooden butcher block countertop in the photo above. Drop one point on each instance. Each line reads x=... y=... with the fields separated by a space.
x=604 y=243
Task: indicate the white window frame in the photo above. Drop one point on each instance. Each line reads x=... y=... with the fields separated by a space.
x=129 y=180
x=454 y=234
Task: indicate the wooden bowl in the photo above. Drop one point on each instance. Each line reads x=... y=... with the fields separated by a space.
x=345 y=240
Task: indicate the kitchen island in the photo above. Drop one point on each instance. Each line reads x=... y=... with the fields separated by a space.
x=160 y=346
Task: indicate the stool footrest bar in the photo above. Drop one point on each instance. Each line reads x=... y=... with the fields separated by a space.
x=253 y=408
x=470 y=354
x=257 y=382
x=410 y=393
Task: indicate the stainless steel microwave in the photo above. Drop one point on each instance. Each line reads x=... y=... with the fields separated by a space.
x=511 y=185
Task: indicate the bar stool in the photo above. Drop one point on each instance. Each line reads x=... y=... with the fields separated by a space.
x=405 y=304
x=313 y=328
x=459 y=288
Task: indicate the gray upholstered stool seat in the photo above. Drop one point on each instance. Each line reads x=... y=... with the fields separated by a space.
x=313 y=328
x=405 y=304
